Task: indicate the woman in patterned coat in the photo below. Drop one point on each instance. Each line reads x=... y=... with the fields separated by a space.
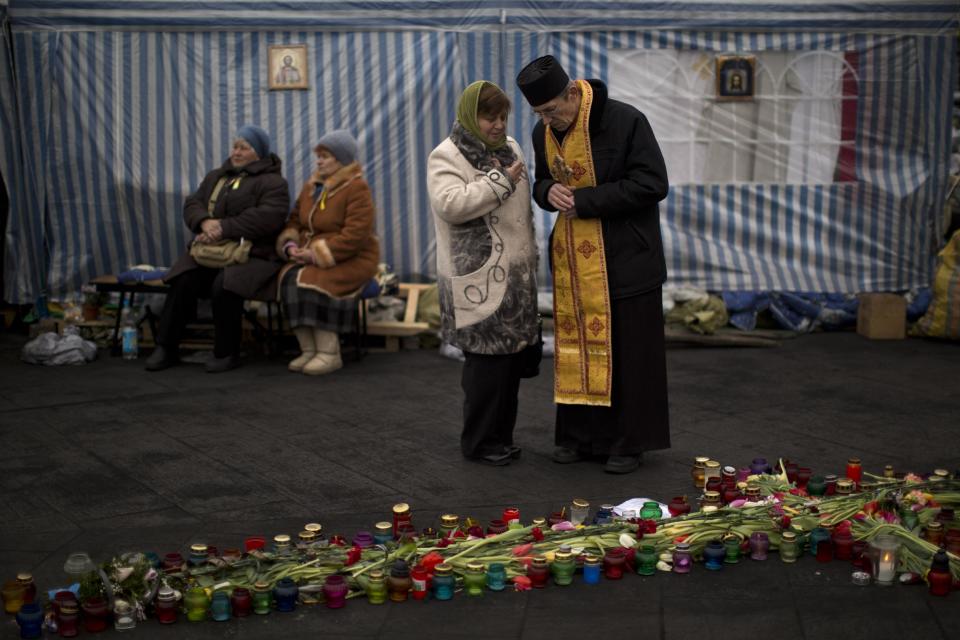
x=486 y=266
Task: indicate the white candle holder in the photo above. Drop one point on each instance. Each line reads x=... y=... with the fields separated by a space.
x=884 y=550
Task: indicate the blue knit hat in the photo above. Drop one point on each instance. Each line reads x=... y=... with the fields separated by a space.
x=341 y=144
x=256 y=138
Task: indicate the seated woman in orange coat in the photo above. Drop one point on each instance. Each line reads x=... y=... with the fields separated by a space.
x=332 y=253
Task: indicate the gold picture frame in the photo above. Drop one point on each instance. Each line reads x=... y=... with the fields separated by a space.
x=735 y=77
x=287 y=67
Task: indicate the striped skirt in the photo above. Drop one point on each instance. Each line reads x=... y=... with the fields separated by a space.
x=309 y=308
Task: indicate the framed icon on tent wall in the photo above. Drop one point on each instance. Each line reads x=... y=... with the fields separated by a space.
x=287 y=66
x=735 y=77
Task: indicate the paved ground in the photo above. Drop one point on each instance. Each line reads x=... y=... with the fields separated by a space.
x=107 y=457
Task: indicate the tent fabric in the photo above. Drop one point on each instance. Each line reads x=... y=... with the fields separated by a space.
x=111 y=126
x=893 y=16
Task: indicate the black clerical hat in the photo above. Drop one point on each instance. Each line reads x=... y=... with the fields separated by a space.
x=542 y=80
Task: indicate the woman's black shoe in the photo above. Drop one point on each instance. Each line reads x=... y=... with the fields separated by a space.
x=162 y=358
x=515 y=452
x=219 y=365
x=493 y=459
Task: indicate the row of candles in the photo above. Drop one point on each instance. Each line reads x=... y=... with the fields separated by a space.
x=878 y=559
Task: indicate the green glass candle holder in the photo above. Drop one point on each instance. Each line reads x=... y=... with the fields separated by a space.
x=563 y=568
x=262 y=598
x=731 y=545
x=647 y=560
x=474 y=579
x=196 y=602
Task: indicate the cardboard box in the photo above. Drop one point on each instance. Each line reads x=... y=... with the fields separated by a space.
x=882 y=316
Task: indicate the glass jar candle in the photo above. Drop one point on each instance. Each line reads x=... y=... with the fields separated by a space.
x=731 y=545
x=376 y=587
x=579 y=511
x=939 y=577
x=96 y=614
x=742 y=474
x=401 y=516
x=285 y=594
x=788 y=547
x=241 y=602
x=196 y=603
x=254 y=543
x=729 y=494
x=860 y=555
x=496 y=577
x=883 y=558
x=68 y=620
x=933 y=533
x=759 y=545
x=382 y=532
x=363 y=539
x=563 y=568
x=262 y=598
x=711 y=469
x=29 y=587
x=604 y=514
x=824 y=550
x=172 y=562
x=511 y=515
x=220 y=606
x=449 y=525
x=198 y=553
x=941 y=474
x=816 y=535
x=830 y=480
x=728 y=475
x=281 y=544
x=650 y=511
x=13 y=593
x=713 y=555
x=697 y=471
x=678 y=506
x=854 y=472
x=496 y=527
x=752 y=492
x=474 y=579
x=614 y=561
x=952 y=540
x=844 y=486
x=803 y=477
x=420 y=580
x=591 y=569
x=306 y=540
x=335 y=591
x=443 y=582
x=888 y=471
x=710 y=498
x=30 y=619
x=816 y=486
x=538 y=571
x=166 y=606
x=842 y=545
x=759 y=466
x=790 y=468
x=646 y=559
x=124 y=616
x=682 y=558
x=77 y=565
x=399 y=582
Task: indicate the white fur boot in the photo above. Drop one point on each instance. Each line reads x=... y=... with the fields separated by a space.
x=308 y=348
x=328 y=358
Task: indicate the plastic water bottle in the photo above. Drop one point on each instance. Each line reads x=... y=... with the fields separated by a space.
x=128 y=333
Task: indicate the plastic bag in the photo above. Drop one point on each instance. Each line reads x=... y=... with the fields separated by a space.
x=52 y=349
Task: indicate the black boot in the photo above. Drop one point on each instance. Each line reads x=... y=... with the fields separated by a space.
x=162 y=358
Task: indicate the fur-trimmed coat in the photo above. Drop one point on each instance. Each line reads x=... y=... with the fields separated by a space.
x=252 y=205
x=486 y=254
x=336 y=222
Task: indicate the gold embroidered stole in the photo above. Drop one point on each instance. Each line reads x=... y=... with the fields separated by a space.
x=582 y=361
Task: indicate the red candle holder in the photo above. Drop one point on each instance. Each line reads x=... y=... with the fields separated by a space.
x=825 y=550
x=511 y=515
x=842 y=545
x=254 y=543
x=614 y=562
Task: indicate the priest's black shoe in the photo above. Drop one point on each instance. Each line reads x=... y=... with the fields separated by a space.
x=622 y=464
x=162 y=358
x=219 y=365
x=494 y=459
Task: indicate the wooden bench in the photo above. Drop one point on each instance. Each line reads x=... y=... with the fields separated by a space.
x=109 y=284
x=394 y=330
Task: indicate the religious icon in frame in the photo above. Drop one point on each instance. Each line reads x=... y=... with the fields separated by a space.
x=735 y=77
x=287 y=66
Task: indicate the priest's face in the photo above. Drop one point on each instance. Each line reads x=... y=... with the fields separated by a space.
x=561 y=112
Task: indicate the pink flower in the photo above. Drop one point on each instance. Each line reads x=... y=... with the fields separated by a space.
x=564 y=525
x=537 y=534
x=523 y=549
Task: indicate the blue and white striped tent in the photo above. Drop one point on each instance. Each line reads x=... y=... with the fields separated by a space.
x=111 y=112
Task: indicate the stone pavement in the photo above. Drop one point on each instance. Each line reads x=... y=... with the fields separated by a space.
x=107 y=457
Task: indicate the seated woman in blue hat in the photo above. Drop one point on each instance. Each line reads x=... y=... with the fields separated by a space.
x=245 y=200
